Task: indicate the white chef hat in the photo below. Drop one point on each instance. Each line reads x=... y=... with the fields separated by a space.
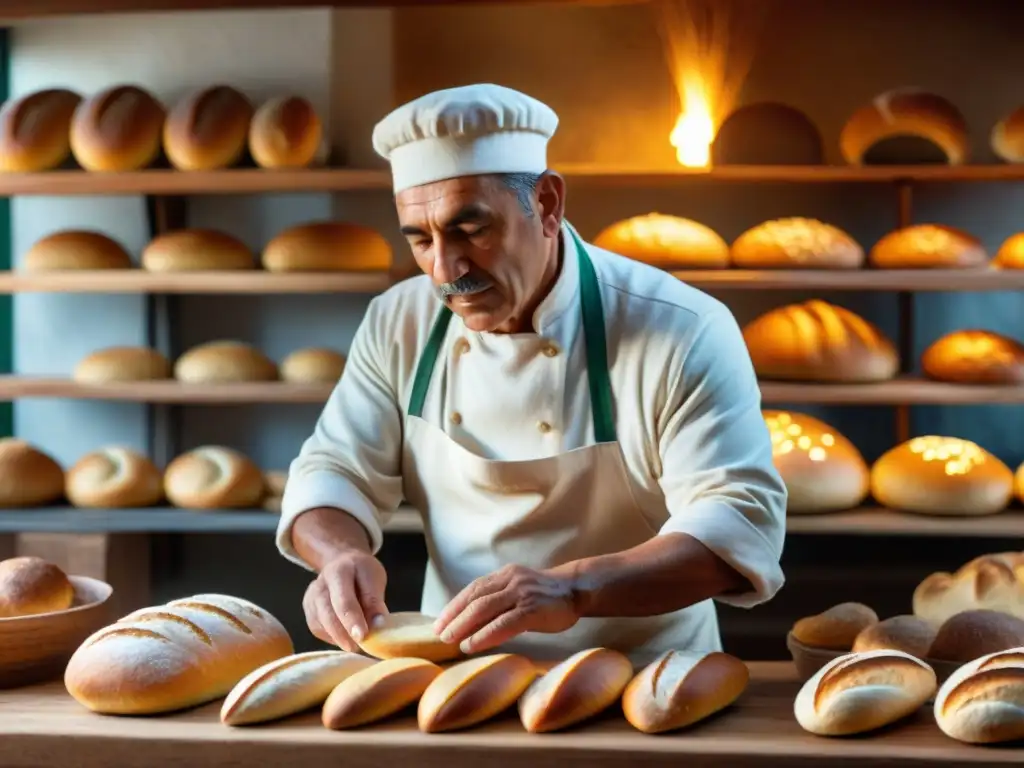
x=465 y=131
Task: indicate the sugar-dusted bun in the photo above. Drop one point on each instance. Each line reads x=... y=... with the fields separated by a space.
x=408 y=634
x=213 y=477
x=472 y=691
x=285 y=132
x=75 y=249
x=114 y=477
x=314 y=365
x=1007 y=137
x=1011 y=253
x=191 y=250
x=861 y=692
x=680 y=688
x=818 y=341
x=936 y=475
x=667 y=242
x=289 y=685
x=586 y=683
x=117 y=129
x=207 y=129
x=224 y=361
x=796 y=243
x=909 y=634
x=906 y=112
x=28 y=477
x=974 y=356
x=30 y=586
x=835 y=629
x=823 y=471
x=968 y=635
x=122 y=364
x=327 y=246
x=994 y=581
x=928 y=246
x=34 y=130
x=377 y=692
x=982 y=702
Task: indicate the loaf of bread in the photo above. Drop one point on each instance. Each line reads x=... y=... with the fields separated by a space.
x=75 y=249
x=796 y=243
x=285 y=132
x=408 y=634
x=377 y=692
x=667 y=242
x=218 y=362
x=975 y=357
x=114 y=478
x=767 y=133
x=995 y=582
x=835 y=629
x=860 y=692
x=982 y=702
x=1011 y=253
x=823 y=471
x=112 y=364
x=34 y=130
x=817 y=341
x=928 y=246
x=207 y=129
x=681 y=688
x=971 y=634
x=314 y=365
x=941 y=476
x=213 y=477
x=288 y=686
x=909 y=634
x=274 y=482
x=30 y=586
x=117 y=129
x=472 y=691
x=193 y=250
x=906 y=112
x=1007 y=137
x=327 y=246
x=170 y=657
x=28 y=476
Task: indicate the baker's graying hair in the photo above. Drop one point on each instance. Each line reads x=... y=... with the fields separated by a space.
x=524 y=185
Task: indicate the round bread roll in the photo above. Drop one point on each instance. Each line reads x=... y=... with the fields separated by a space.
x=315 y=365
x=118 y=129
x=30 y=586
x=192 y=250
x=817 y=341
x=207 y=129
x=796 y=243
x=941 y=476
x=213 y=477
x=1007 y=137
x=34 y=130
x=114 y=478
x=906 y=112
x=823 y=471
x=224 y=361
x=408 y=634
x=995 y=582
x=122 y=364
x=928 y=246
x=982 y=702
x=1011 y=253
x=975 y=357
x=909 y=634
x=75 y=249
x=835 y=629
x=968 y=635
x=285 y=132
x=327 y=246
x=767 y=133
x=28 y=477
x=377 y=692
x=666 y=242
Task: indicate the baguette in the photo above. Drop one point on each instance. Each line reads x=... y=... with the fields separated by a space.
x=377 y=692
x=408 y=634
x=982 y=702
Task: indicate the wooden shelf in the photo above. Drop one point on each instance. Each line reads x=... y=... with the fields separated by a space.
x=905 y=391
x=962 y=280
x=241 y=281
x=875 y=521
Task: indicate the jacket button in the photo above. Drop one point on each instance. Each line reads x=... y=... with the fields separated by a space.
x=456 y=417
x=550 y=349
x=543 y=426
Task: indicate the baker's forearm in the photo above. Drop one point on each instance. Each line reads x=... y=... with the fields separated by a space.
x=319 y=535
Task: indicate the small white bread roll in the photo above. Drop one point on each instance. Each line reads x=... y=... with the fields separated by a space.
x=928 y=246
x=34 y=130
x=194 y=250
x=327 y=246
x=994 y=581
x=75 y=249
x=30 y=586
x=796 y=243
x=285 y=132
x=861 y=692
x=114 y=478
x=667 y=242
x=28 y=476
x=289 y=685
x=315 y=365
x=982 y=702
x=105 y=366
x=586 y=683
x=835 y=629
x=377 y=692
x=207 y=129
x=973 y=356
x=213 y=477
x=408 y=634
x=117 y=129
x=221 y=362
x=472 y=691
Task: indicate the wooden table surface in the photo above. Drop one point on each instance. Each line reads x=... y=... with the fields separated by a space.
x=43 y=726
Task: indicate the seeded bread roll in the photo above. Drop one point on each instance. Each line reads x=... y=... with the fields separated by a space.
x=983 y=701
x=796 y=243
x=112 y=478
x=28 y=476
x=112 y=364
x=667 y=242
x=327 y=246
x=224 y=361
x=118 y=129
x=213 y=477
x=408 y=634
x=974 y=356
x=835 y=629
x=207 y=129
x=928 y=246
x=909 y=634
x=75 y=249
x=285 y=132
x=30 y=586
x=1011 y=253
x=34 y=130
x=193 y=250
x=473 y=691
x=377 y=692
x=994 y=581
x=314 y=365
x=969 y=635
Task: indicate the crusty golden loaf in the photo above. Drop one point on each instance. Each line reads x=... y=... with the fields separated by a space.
x=994 y=581
x=377 y=692
x=114 y=477
x=967 y=635
x=28 y=476
x=313 y=365
x=973 y=356
x=117 y=129
x=796 y=243
x=30 y=586
x=327 y=246
x=213 y=477
x=667 y=242
x=909 y=634
x=75 y=249
x=192 y=250
x=982 y=702
x=835 y=629
x=224 y=361
x=34 y=130
x=122 y=364
x=1011 y=253
x=207 y=129
x=408 y=634
x=928 y=246
x=473 y=691
x=285 y=132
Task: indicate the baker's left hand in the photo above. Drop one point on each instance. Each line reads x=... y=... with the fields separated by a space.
x=515 y=599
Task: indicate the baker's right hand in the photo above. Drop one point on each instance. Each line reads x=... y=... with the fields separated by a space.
x=344 y=601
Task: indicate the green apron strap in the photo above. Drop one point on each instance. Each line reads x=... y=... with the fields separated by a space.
x=425 y=368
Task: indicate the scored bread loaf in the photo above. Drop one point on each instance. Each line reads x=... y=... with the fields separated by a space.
x=30 y=586
x=1011 y=253
x=28 y=476
x=975 y=357
x=472 y=691
x=928 y=246
x=289 y=685
x=860 y=692
x=327 y=246
x=681 y=688
x=114 y=477
x=836 y=628
x=117 y=129
x=122 y=364
x=967 y=635
x=909 y=634
x=818 y=341
x=994 y=581
x=586 y=683
x=75 y=249
x=377 y=692
x=222 y=362
x=34 y=130
x=315 y=365
x=1007 y=137
x=667 y=242
x=286 y=132
x=982 y=702
x=207 y=129
x=796 y=243
x=408 y=634
x=170 y=657
x=192 y=250
x=213 y=477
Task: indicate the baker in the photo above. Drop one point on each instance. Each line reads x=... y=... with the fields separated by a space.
x=581 y=433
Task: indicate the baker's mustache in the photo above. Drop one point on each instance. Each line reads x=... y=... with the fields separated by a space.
x=465 y=285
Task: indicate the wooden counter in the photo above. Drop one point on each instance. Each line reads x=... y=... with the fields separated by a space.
x=43 y=726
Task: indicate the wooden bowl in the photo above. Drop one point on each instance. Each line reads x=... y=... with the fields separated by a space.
x=35 y=649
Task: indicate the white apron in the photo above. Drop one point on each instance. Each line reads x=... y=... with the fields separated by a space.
x=480 y=514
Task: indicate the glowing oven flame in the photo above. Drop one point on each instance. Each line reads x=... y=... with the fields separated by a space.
x=695 y=130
